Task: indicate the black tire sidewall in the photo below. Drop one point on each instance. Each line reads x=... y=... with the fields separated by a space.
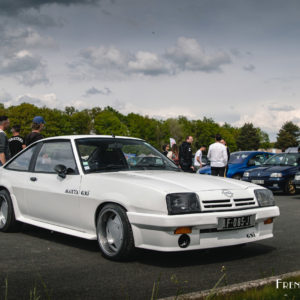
x=10 y=221
x=128 y=242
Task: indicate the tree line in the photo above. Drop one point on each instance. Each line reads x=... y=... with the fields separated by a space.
x=157 y=132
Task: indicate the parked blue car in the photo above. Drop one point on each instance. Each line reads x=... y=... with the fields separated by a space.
x=277 y=173
x=240 y=162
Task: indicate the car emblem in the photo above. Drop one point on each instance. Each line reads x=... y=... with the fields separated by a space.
x=227 y=193
x=258 y=174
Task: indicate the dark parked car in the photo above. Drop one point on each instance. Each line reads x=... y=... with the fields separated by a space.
x=240 y=162
x=277 y=173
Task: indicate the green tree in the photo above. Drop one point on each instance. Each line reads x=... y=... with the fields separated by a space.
x=264 y=140
x=248 y=138
x=288 y=136
x=106 y=122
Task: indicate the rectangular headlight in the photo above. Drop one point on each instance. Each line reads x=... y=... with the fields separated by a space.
x=264 y=197
x=183 y=203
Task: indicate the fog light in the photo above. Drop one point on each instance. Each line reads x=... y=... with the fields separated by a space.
x=184 y=241
x=268 y=221
x=182 y=230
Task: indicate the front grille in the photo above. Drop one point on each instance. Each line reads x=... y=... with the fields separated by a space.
x=227 y=204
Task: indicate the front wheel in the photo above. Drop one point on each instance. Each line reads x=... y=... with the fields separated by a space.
x=8 y=221
x=290 y=188
x=114 y=233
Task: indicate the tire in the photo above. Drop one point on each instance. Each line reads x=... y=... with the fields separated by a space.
x=237 y=176
x=290 y=188
x=114 y=233
x=8 y=221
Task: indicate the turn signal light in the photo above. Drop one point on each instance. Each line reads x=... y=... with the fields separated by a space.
x=182 y=230
x=268 y=221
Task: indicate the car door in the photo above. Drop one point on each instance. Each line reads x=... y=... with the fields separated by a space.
x=15 y=175
x=51 y=198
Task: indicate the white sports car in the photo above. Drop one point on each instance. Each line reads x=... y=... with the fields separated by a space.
x=124 y=193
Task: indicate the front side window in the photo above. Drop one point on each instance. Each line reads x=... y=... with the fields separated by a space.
x=22 y=162
x=55 y=153
x=258 y=159
x=104 y=155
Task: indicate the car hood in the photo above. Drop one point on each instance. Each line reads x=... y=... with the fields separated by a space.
x=265 y=171
x=170 y=181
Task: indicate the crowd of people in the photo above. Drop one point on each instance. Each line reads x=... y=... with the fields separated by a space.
x=218 y=154
x=10 y=147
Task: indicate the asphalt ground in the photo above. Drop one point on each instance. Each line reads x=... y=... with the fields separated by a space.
x=57 y=266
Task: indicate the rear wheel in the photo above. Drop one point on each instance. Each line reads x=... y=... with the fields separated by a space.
x=114 y=233
x=290 y=188
x=8 y=221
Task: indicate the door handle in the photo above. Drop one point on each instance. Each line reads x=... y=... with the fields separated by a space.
x=33 y=178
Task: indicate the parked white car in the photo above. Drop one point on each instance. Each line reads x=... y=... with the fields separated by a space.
x=124 y=193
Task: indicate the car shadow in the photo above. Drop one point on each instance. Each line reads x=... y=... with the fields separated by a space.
x=156 y=258
x=202 y=257
x=60 y=238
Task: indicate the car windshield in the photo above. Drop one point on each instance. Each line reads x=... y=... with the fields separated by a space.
x=113 y=154
x=237 y=157
x=284 y=159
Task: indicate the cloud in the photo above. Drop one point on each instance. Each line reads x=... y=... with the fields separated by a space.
x=28 y=69
x=276 y=107
x=93 y=91
x=49 y=100
x=4 y=96
x=14 y=7
x=23 y=37
x=148 y=63
x=249 y=68
x=187 y=54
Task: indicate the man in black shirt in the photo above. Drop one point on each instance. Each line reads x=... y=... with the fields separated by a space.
x=186 y=155
x=15 y=142
x=38 y=124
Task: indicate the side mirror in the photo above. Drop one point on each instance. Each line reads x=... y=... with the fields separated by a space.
x=61 y=170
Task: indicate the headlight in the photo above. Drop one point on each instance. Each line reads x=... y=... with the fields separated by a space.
x=264 y=197
x=246 y=174
x=276 y=175
x=297 y=177
x=183 y=203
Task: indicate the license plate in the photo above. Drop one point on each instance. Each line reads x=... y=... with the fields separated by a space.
x=258 y=181
x=236 y=222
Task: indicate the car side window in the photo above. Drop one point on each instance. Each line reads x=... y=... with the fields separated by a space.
x=258 y=159
x=22 y=162
x=55 y=153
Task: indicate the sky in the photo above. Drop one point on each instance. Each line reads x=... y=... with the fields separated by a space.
x=234 y=61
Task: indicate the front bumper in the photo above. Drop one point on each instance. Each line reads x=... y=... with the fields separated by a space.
x=156 y=232
x=274 y=184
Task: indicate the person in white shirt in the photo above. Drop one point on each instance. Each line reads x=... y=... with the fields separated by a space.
x=198 y=158
x=217 y=154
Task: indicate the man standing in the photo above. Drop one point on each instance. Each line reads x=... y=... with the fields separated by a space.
x=4 y=149
x=228 y=155
x=15 y=142
x=186 y=155
x=217 y=154
x=37 y=126
x=198 y=158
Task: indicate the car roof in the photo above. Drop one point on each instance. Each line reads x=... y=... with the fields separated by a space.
x=250 y=152
x=91 y=136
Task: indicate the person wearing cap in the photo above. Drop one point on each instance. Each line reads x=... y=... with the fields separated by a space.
x=37 y=126
x=16 y=142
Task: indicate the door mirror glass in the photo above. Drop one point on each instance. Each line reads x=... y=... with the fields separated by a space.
x=61 y=170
